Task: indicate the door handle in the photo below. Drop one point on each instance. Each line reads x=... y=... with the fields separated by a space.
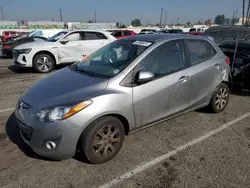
x=217 y=66
x=79 y=45
x=183 y=79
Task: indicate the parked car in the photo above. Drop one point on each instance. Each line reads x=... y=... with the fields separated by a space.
x=146 y=33
x=199 y=29
x=47 y=33
x=7 y=49
x=9 y=35
x=234 y=41
x=122 y=33
x=175 y=31
x=194 y=33
x=125 y=86
x=162 y=31
x=64 y=47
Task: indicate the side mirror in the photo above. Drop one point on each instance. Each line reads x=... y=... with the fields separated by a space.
x=144 y=76
x=64 y=41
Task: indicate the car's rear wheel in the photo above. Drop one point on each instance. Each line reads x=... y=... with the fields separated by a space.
x=43 y=63
x=102 y=139
x=220 y=98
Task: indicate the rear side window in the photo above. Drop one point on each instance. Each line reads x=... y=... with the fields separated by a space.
x=6 y=34
x=199 y=51
x=118 y=34
x=94 y=36
x=127 y=33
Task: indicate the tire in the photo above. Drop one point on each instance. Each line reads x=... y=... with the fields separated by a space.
x=43 y=63
x=98 y=132
x=220 y=98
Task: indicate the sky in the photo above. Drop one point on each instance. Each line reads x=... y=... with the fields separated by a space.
x=148 y=11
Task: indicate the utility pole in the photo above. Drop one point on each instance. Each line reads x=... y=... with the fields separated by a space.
x=247 y=15
x=1 y=8
x=61 y=18
x=233 y=18
x=94 y=16
x=165 y=18
x=161 y=15
x=236 y=14
x=243 y=12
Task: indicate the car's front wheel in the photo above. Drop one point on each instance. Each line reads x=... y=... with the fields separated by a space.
x=102 y=139
x=43 y=63
x=220 y=98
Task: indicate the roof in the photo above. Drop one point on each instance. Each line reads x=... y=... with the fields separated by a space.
x=229 y=32
x=162 y=36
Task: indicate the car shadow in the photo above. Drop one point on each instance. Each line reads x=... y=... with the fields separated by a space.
x=18 y=69
x=5 y=57
x=241 y=92
x=13 y=133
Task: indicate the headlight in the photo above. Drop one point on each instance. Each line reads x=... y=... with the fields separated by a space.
x=25 y=51
x=61 y=112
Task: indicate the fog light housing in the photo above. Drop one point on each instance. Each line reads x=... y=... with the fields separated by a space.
x=50 y=145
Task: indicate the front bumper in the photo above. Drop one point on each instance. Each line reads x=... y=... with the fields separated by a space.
x=22 y=59
x=63 y=133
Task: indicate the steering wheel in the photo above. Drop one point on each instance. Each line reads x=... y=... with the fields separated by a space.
x=109 y=56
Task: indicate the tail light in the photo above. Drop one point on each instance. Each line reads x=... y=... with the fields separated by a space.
x=228 y=60
x=7 y=46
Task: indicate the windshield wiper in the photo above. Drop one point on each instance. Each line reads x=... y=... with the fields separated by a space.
x=93 y=74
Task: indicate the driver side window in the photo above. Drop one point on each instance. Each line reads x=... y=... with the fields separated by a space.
x=165 y=59
x=74 y=36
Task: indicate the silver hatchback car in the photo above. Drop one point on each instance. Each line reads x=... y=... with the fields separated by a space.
x=124 y=86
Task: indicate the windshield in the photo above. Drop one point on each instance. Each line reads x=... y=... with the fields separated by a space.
x=57 y=36
x=111 y=59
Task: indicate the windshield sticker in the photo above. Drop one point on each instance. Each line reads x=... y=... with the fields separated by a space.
x=86 y=58
x=116 y=71
x=142 y=43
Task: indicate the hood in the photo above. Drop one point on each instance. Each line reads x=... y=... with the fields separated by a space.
x=64 y=87
x=40 y=44
x=220 y=33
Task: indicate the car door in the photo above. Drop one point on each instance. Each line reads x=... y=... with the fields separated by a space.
x=168 y=93
x=93 y=40
x=72 y=50
x=206 y=70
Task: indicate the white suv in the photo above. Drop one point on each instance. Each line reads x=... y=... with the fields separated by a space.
x=67 y=46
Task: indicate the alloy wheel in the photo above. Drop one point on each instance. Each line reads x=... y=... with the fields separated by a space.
x=44 y=64
x=106 y=141
x=221 y=98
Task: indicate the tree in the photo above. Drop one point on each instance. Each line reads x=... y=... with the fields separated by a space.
x=136 y=23
x=90 y=21
x=220 y=19
x=227 y=21
x=123 y=26
x=189 y=24
x=208 y=22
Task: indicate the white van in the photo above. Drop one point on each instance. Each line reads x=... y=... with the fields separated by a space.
x=44 y=32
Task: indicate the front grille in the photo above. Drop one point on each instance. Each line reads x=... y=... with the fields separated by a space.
x=26 y=132
x=16 y=53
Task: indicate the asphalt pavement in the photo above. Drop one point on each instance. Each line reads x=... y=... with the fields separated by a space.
x=197 y=149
